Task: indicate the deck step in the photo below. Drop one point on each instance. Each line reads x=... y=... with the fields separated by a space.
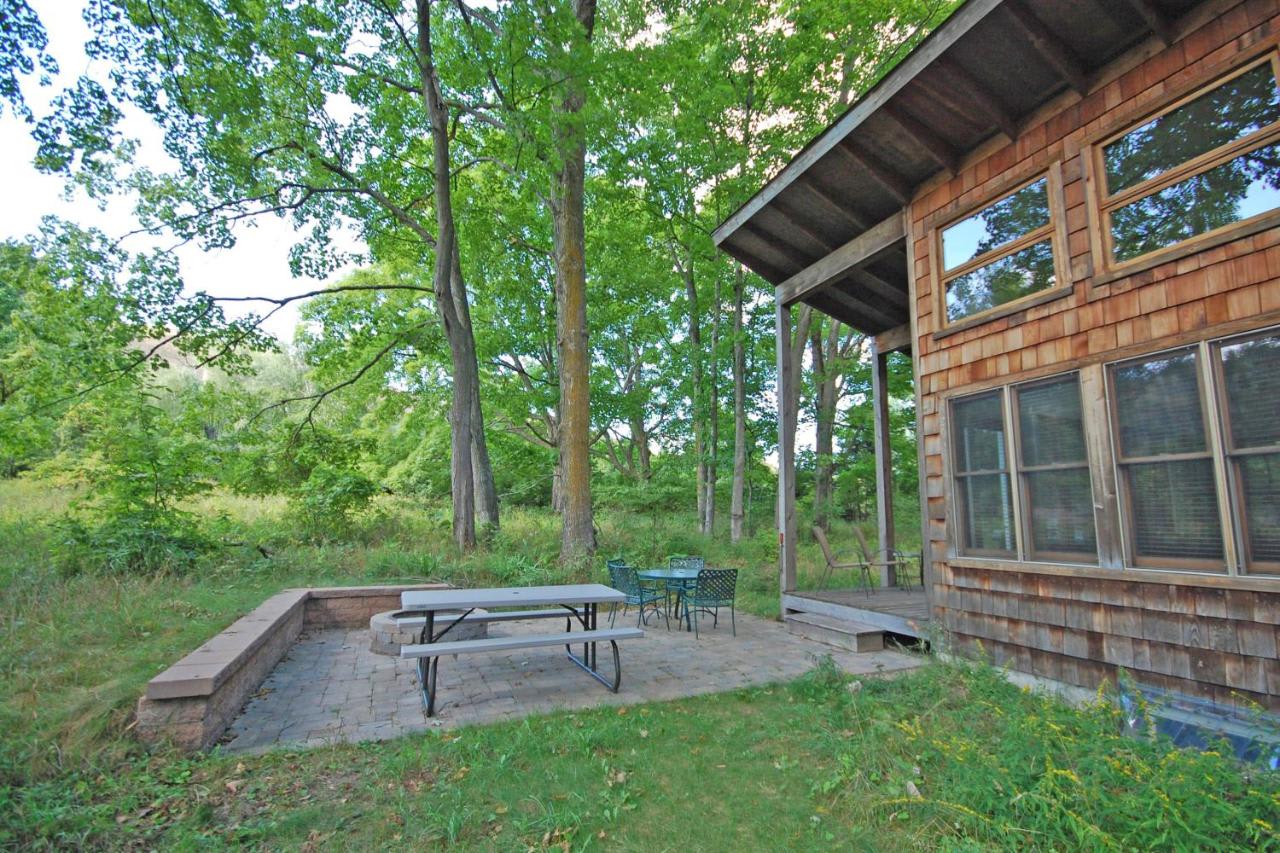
x=855 y=636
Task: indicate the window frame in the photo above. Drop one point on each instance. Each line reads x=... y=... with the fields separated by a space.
x=1104 y=204
x=1022 y=470
x=1014 y=470
x=1204 y=391
x=1231 y=459
x=1055 y=230
x=959 y=486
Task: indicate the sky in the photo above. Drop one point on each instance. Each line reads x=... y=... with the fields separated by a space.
x=257 y=265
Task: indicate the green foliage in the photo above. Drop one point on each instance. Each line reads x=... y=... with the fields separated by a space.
x=331 y=489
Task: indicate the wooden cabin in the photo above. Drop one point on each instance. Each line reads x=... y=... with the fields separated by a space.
x=1067 y=213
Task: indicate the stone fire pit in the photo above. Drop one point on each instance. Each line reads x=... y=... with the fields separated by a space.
x=390 y=630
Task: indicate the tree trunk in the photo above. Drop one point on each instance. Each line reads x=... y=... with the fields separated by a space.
x=713 y=417
x=737 y=509
x=557 y=486
x=486 y=492
x=695 y=359
x=464 y=376
x=577 y=540
x=640 y=440
x=826 y=351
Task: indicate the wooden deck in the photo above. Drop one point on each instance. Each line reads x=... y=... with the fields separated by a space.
x=900 y=611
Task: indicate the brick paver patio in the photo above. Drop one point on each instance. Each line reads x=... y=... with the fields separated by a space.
x=331 y=688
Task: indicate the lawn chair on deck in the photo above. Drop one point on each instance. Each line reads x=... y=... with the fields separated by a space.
x=900 y=560
x=862 y=566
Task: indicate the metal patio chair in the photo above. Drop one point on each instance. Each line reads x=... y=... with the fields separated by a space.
x=715 y=588
x=624 y=579
x=681 y=587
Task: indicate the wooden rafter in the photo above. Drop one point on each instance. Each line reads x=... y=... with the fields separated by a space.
x=1153 y=18
x=977 y=95
x=875 y=284
x=759 y=265
x=937 y=148
x=865 y=246
x=881 y=173
x=796 y=222
x=895 y=339
x=859 y=308
x=829 y=203
x=778 y=247
x=1063 y=60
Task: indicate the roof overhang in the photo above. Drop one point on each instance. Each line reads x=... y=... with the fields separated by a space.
x=981 y=74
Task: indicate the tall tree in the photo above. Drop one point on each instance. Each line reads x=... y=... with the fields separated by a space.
x=314 y=111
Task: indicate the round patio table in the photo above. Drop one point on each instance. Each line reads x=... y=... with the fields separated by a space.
x=678 y=581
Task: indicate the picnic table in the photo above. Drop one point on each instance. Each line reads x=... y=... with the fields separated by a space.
x=442 y=609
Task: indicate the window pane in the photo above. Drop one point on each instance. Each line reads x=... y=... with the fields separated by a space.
x=988 y=513
x=1052 y=429
x=979 y=433
x=1012 y=277
x=1158 y=406
x=1006 y=220
x=1230 y=112
x=1060 y=504
x=1260 y=482
x=1175 y=510
x=1236 y=190
x=1252 y=373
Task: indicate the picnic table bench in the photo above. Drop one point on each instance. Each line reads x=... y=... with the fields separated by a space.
x=443 y=609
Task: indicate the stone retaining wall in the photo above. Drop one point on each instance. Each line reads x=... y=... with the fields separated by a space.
x=191 y=703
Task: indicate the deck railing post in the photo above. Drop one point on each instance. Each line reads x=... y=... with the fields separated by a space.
x=884 y=464
x=787 y=417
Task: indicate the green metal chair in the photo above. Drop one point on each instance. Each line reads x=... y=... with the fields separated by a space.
x=625 y=580
x=715 y=588
x=682 y=587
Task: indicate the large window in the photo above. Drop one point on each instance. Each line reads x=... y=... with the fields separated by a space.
x=1053 y=464
x=1001 y=254
x=1166 y=463
x=1249 y=371
x=1052 y=497
x=1169 y=461
x=1200 y=167
x=982 y=475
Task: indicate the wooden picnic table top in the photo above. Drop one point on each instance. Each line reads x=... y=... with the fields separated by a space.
x=510 y=596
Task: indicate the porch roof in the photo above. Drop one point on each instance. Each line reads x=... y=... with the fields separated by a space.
x=826 y=229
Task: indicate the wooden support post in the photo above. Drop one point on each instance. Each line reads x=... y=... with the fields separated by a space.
x=787 y=418
x=884 y=463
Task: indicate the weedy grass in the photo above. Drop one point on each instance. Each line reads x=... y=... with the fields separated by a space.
x=948 y=757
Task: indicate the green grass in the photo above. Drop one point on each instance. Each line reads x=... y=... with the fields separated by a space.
x=810 y=765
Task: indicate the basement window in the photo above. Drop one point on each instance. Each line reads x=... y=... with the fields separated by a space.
x=1204 y=170
x=1002 y=255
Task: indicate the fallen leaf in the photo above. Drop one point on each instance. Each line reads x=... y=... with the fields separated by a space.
x=234 y=785
x=913 y=792
x=240 y=768
x=499 y=809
